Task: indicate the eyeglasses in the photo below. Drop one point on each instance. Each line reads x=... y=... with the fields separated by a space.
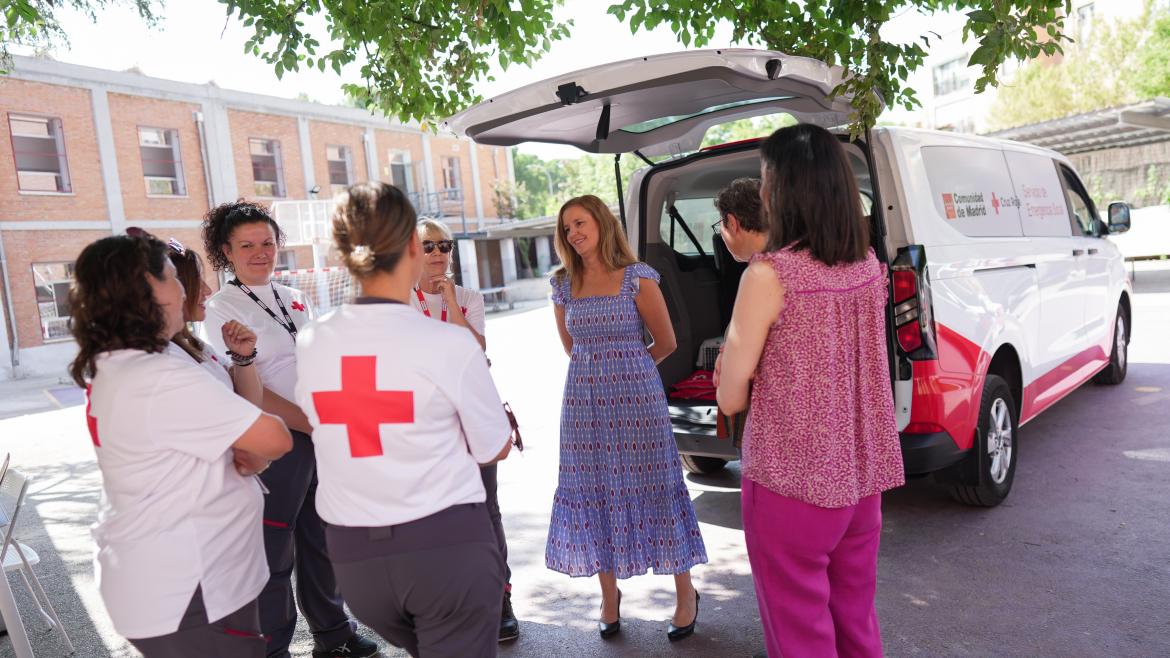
x=716 y=225
x=445 y=246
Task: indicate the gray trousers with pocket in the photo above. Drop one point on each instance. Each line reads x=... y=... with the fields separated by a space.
x=294 y=538
x=235 y=636
x=431 y=586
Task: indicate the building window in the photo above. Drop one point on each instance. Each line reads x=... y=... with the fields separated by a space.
x=451 y=177
x=52 y=281
x=1085 y=15
x=286 y=260
x=267 y=170
x=401 y=171
x=951 y=76
x=162 y=166
x=38 y=145
x=340 y=168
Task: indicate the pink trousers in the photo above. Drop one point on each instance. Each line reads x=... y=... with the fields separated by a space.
x=815 y=572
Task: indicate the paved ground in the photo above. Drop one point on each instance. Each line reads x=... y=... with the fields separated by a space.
x=1074 y=564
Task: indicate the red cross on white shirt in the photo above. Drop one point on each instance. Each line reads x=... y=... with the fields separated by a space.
x=361 y=407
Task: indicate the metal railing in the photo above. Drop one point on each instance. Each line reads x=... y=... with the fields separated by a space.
x=310 y=220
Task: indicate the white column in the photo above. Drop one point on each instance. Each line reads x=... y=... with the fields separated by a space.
x=220 y=156
x=475 y=189
x=307 y=159
x=108 y=154
x=508 y=259
x=468 y=264
x=511 y=176
x=371 y=143
x=543 y=254
x=428 y=165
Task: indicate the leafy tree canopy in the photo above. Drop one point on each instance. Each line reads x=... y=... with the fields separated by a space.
x=1127 y=60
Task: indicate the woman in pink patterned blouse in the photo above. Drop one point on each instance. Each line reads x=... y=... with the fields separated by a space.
x=821 y=443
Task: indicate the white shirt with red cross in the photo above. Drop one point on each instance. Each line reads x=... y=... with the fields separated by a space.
x=403 y=412
x=174 y=513
x=275 y=347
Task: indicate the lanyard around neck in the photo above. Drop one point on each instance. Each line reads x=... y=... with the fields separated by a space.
x=287 y=324
x=422 y=304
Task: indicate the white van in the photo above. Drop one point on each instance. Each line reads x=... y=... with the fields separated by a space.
x=1004 y=294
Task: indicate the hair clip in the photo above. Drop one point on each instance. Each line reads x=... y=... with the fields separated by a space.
x=362 y=252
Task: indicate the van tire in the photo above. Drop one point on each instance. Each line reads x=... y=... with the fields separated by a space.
x=997 y=439
x=1114 y=373
x=702 y=465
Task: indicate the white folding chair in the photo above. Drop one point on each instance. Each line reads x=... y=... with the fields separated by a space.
x=13 y=486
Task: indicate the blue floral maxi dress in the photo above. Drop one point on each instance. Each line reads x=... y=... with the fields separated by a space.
x=621 y=505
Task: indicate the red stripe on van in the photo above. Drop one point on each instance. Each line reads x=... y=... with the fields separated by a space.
x=1053 y=385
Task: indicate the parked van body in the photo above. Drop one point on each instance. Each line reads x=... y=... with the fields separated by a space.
x=1004 y=294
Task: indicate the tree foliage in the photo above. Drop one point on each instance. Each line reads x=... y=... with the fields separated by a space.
x=848 y=34
x=422 y=60
x=419 y=60
x=1123 y=63
x=34 y=22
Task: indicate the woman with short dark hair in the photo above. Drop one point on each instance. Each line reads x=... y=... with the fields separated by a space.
x=180 y=558
x=807 y=346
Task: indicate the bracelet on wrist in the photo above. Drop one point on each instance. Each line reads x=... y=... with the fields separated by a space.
x=241 y=359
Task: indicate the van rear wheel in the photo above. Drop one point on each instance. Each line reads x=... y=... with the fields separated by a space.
x=996 y=447
x=1114 y=373
x=702 y=465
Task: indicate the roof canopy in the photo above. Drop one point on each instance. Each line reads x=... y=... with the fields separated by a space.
x=1129 y=125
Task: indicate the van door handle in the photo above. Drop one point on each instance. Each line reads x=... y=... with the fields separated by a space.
x=1078 y=252
x=1092 y=251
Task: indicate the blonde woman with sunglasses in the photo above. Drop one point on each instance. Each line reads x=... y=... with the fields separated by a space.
x=436 y=295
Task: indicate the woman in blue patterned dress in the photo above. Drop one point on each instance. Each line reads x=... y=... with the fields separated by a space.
x=621 y=506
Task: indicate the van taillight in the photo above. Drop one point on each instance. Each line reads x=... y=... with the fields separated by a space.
x=913 y=323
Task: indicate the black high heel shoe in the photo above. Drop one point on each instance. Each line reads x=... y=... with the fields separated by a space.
x=676 y=633
x=606 y=629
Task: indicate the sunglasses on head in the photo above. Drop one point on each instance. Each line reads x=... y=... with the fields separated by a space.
x=445 y=246
x=172 y=244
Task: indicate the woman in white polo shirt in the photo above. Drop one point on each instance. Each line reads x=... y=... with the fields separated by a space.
x=180 y=558
x=438 y=297
x=404 y=413
x=239 y=340
x=242 y=238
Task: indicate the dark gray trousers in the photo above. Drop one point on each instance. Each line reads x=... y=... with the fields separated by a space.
x=294 y=538
x=488 y=475
x=431 y=586
x=235 y=636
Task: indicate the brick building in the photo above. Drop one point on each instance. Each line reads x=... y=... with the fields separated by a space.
x=87 y=152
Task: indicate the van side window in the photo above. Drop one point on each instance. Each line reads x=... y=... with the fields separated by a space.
x=699 y=214
x=1082 y=212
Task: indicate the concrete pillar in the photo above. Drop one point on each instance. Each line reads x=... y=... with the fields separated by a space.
x=543 y=254
x=511 y=176
x=220 y=159
x=307 y=161
x=468 y=263
x=370 y=141
x=428 y=165
x=475 y=186
x=508 y=259
x=108 y=154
